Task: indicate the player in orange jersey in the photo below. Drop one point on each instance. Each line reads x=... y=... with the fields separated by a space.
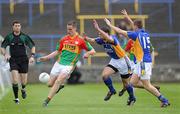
x=69 y=49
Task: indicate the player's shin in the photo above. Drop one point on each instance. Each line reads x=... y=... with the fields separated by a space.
x=131 y=99
x=52 y=92
x=109 y=84
x=164 y=101
x=54 y=89
x=130 y=91
x=60 y=87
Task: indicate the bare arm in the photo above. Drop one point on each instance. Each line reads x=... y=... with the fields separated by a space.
x=88 y=53
x=90 y=40
x=33 y=50
x=118 y=30
x=47 y=57
x=105 y=36
x=124 y=12
x=52 y=55
x=3 y=51
x=31 y=59
x=4 y=45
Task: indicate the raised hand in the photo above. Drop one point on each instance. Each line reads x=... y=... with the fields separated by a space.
x=124 y=12
x=107 y=21
x=96 y=26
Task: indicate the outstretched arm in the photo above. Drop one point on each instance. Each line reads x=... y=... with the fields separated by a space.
x=47 y=57
x=89 y=49
x=88 y=53
x=118 y=30
x=105 y=36
x=124 y=12
x=88 y=39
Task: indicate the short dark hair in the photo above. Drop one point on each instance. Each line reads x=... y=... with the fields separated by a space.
x=138 y=23
x=106 y=30
x=72 y=23
x=15 y=22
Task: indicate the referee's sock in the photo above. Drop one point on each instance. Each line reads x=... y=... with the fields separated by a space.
x=23 y=91
x=23 y=86
x=15 y=90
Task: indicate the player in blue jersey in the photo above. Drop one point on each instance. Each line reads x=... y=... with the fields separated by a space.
x=119 y=62
x=129 y=49
x=143 y=67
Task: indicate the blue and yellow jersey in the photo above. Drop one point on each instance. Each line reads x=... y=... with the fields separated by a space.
x=122 y=40
x=141 y=45
x=113 y=50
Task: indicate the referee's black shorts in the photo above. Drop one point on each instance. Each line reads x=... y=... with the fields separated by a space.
x=19 y=63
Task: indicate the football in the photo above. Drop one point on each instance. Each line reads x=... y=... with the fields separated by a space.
x=44 y=77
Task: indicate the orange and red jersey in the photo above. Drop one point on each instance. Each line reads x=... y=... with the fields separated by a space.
x=130 y=49
x=70 y=49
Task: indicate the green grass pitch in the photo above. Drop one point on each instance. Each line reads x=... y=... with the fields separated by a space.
x=88 y=99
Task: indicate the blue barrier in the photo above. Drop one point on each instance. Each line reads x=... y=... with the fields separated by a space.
x=169 y=35
x=140 y=2
x=34 y=1
x=47 y=36
x=153 y=35
x=30 y=9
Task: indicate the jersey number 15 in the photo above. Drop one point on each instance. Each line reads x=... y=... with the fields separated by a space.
x=146 y=42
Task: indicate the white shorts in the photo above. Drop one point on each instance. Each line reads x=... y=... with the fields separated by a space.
x=59 y=68
x=143 y=74
x=123 y=66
